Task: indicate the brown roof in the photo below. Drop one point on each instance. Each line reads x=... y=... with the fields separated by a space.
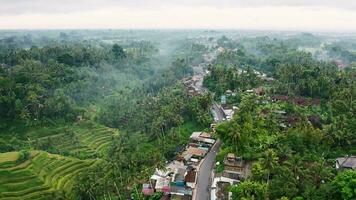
x=259 y=91
x=190 y=177
x=196 y=151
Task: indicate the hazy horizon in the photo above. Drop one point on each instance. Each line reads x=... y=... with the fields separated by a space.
x=272 y=15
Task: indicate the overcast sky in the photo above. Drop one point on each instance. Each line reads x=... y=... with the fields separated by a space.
x=316 y=15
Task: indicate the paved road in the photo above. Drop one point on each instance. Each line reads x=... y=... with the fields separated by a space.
x=217 y=112
x=203 y=185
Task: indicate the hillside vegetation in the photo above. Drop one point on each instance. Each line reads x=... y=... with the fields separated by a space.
x=87 y=119
x=40 y=175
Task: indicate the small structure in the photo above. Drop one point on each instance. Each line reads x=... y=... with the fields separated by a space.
x=259 y=91
x=348 y=162
x=233 y=164
x=213 y=127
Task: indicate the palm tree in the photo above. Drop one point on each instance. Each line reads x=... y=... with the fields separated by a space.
x=234 y=135
x=295 y=163
x=269 y=162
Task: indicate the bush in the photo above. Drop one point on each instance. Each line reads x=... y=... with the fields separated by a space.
x=5 y=146
x=24 y=155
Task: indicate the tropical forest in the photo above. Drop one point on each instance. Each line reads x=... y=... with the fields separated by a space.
x=177 y=114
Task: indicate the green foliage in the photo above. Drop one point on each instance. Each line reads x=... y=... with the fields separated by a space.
x=249 y=190
x=118 y=51
x=313 y=80
x=55 y=88
x=23 y=155
x=345 y=183
x=223 y=78
x=293 y=161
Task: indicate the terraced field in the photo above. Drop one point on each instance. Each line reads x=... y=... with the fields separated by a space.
x=41 y=176
x=82 y=141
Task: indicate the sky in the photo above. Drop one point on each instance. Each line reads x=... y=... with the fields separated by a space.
x=304 y=15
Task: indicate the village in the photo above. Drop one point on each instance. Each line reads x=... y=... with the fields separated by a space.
x=195 y=174
x=180 y=178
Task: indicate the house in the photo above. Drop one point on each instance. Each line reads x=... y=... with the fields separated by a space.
x=179 y=176
x=197 y=152
x=348 y=162
x=180 y=190
x=202 y=137
x=190 y=178
x=259 y=91
x=195 y=135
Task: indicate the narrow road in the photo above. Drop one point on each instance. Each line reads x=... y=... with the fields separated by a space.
x=219 y=115
x=203 y=185
x=204 y=175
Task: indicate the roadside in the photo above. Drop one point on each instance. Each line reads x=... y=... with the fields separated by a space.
x=204 y=174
